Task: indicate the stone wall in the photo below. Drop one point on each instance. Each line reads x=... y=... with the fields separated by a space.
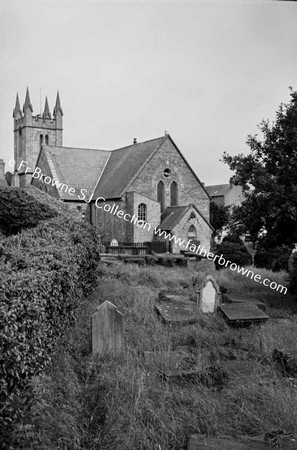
x=45 y=169
x=189 y=189
x=145 y=233
x=181 y=230
x=109 y=225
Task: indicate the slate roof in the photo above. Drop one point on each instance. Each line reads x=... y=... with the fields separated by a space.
x=123 y=165
x=217 y=189
x=102 y=173
x=78 y=168
x=173 y=215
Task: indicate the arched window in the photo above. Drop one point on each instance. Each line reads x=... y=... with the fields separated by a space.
x=142 y=212
x=174 y=194
x=41 y=140
x=46 y=139
x=161 y=194
x=192 y=233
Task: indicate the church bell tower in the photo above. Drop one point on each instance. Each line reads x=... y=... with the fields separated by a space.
x=31 y=132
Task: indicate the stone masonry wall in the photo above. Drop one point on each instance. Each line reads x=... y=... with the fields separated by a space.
x=45 y=169
x=189 y=189
x=146 y=233
x=181 y=231
x=110 y=226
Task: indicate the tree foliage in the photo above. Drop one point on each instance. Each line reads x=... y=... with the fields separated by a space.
x=45 y=272
x=19 y=210
x=268 y=175
x=219 y=216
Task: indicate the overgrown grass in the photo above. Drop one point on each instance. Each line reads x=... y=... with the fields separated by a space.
x=123 y=403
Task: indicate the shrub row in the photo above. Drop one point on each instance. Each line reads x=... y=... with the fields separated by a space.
x=19 y=210
x=45 y=271
x=273 y=258
x=235 y=252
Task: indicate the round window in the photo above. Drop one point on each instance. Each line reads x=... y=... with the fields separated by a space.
x=167 y=173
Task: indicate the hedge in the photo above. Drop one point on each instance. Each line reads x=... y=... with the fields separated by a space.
x=20 y=210
x=236 y=253
x=273 y=258
x=45 y=272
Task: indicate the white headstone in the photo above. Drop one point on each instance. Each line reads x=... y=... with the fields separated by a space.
x=208 y=295
x=208 y=298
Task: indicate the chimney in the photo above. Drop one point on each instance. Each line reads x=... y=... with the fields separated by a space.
x=135 y=141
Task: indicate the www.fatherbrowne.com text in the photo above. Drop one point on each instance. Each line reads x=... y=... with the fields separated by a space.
x=186 y=245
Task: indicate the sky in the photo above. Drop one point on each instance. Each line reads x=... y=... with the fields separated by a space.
x=207 y=72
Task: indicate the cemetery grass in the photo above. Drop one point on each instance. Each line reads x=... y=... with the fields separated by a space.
x=124 y=403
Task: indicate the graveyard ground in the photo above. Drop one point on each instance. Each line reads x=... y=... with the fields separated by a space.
x=132 y=403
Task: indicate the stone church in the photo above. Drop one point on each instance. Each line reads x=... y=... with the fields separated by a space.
x=149 y=181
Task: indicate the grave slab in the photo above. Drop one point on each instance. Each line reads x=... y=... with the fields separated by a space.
x=184 y=313
x=197 y=442
x=234 y=298
x=242 y=314
x=107 y=330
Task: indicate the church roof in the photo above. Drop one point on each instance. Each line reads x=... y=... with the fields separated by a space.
x=217 y=189
x=123 y=165
x=173 y=215
x=102 y=173
x=77 y=168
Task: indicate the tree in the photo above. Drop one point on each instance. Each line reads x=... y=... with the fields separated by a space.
x=268 y=175
x=219 y=216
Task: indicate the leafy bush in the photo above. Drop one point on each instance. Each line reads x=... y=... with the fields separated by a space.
x=19 y=210
x=275 y=258
x=44 y=273
x=236 y=253
x=234 y=239
x=293 y=273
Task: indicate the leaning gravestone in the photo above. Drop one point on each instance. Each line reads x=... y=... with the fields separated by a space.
x=208 y=295
x=107 y=328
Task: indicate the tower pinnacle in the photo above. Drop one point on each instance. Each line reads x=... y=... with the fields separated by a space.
x=17 y=113
x=27 y=103
x=58 y=107
x=46 y=112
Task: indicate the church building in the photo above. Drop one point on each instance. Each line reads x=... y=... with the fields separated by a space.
x=130 y=194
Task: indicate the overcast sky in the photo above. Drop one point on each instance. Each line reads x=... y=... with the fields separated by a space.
x=206 y=71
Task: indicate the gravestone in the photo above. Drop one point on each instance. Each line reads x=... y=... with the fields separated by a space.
x=177 y=314
x=208 y=295
x=242 y=314
x=197 y=442
x=235 y=298
x=107 y=328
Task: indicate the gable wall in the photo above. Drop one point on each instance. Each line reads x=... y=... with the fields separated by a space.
x=203 y=231
x=45 y=169
x=190 y=190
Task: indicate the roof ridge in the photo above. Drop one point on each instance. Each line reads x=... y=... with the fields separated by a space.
x=138 y=143
x=78 y=148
